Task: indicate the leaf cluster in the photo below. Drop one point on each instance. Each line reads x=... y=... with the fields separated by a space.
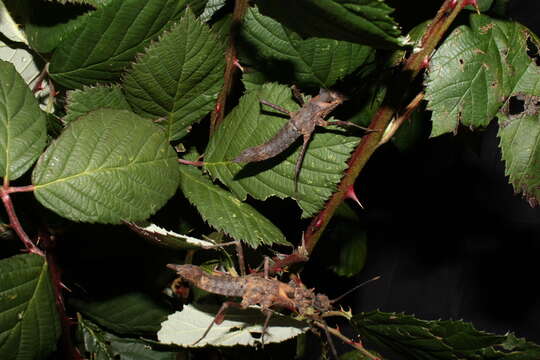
x=116 y=133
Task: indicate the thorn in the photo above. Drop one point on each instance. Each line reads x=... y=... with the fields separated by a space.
x=425 y=62
x=318 y=224
x=453 y=4
x=474 y=3
x=218 y=108
x=64 y=286
x=189 y=162
x=350 y=194
x=237 y=64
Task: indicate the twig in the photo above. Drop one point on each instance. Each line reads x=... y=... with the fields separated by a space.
x=16 y=225
x=216 y=118
x=396 y=123
x=338 y=334
x=370 y=142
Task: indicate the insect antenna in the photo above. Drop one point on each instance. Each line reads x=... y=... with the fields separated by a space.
x=353 y=289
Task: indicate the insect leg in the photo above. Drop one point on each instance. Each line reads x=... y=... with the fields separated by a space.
x=276 y=107
x=297 y=95
x=241 y=262
x=268 y=314
x=266 y=267
x=300 y=160
x=220 y=316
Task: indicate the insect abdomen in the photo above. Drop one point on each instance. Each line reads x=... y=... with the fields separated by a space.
x=276 y=145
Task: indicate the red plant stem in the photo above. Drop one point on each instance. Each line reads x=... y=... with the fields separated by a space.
x=70 y=352
x=370 y=142
x=16 y=225
x=216 y=118
x=16 y=189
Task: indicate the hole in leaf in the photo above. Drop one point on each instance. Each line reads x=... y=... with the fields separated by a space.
x=255 y=335
x=532 y=51
x=523 y=104
x=516 y=105
x=235 y=329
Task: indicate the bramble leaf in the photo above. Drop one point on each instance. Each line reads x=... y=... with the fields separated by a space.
x=124 y=28
x=185 y=327
x=520 y=146
x=51 y=23
x=475 y=70
x=167 y=238
x=102 y=345
x=29 y=323
x=416 y=339
x=107 y=166
x=22 y=124
x=249 y=124
x=310 y=63
x=225 y=212
x=81 y=102
x=366 y=22
x=130 y=314
x=179 y=77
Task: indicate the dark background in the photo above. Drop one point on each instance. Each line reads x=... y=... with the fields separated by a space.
x=456 y=243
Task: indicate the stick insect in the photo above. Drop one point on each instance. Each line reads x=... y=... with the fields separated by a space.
x=269 y=293
x=301 y=123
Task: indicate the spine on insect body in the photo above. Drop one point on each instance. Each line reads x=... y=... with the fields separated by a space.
x=277 y=144
x=222 y=284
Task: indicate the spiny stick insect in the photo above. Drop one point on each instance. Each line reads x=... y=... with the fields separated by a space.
x=301 y=123
x=268 y=293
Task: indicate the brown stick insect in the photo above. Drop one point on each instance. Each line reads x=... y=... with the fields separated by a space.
x=268 y=293
x=301 y=123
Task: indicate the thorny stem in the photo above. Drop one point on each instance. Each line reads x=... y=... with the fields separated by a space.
x=216 y=118
x=370 y=142
x=14 y=220
x=338 y=334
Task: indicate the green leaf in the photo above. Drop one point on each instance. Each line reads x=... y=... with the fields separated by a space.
x=168 y=238
x=185 y=327
x=225 y=212
x=102 y=345
x=133 y=313
x=285 y=55
x=95 y=3
x=212 y=6
x=81 y=102
x=247 y=125
x=179 y=77
x=357 y=355
x=352 y=251
x=22 y=124
x=520 y=146
x=107 y=166
x=475 y=70
x=29 y=323
x=413 y=338
x=483 y=5
x=108 y=39
x=366 y=22
x=51 y=23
